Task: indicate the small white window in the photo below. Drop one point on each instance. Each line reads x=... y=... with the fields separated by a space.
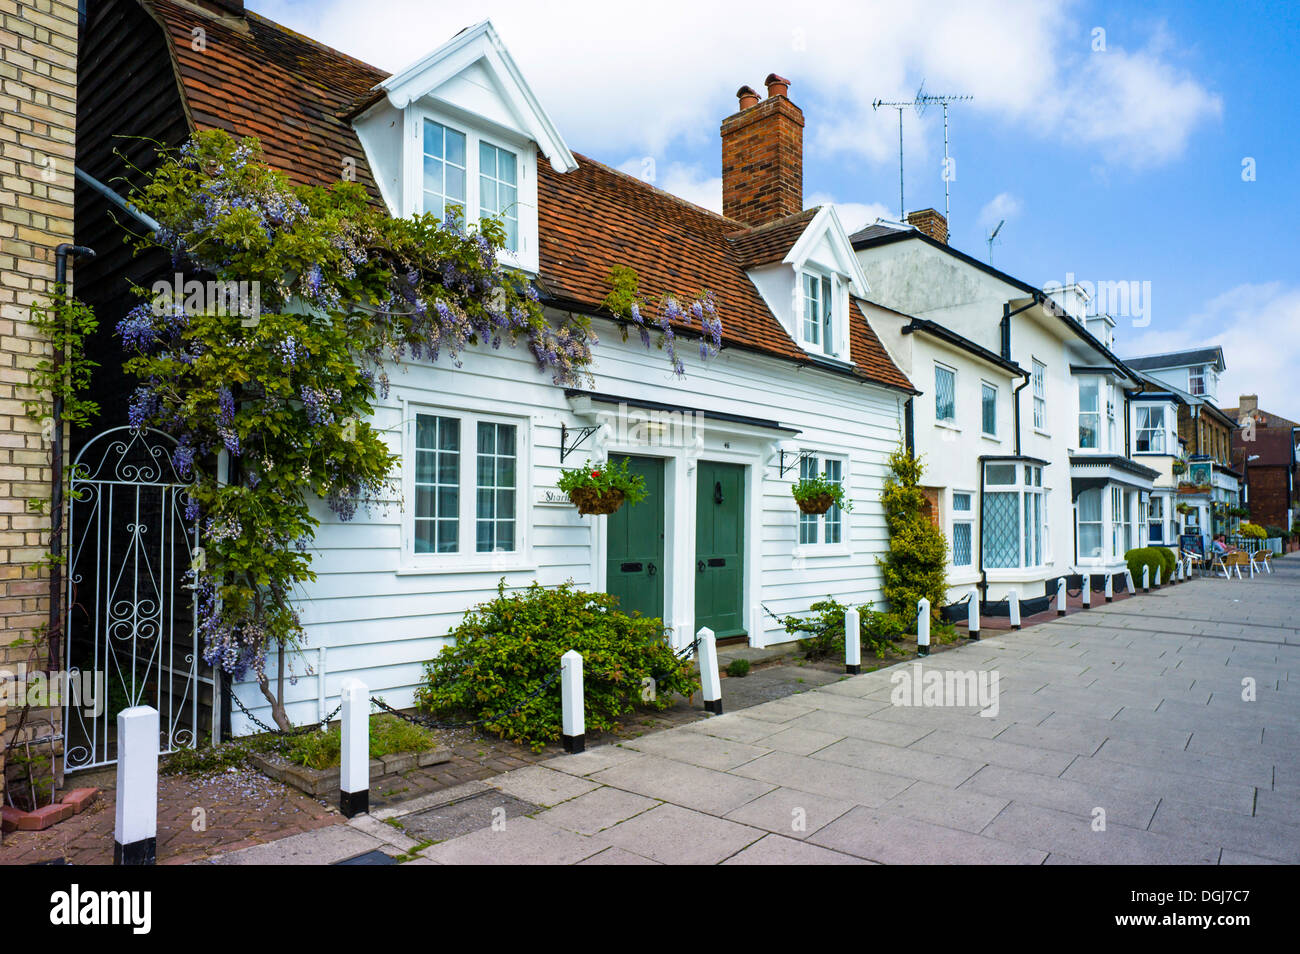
x=827 y=527
x=498 y=189
x=817 y=323
x=1196 y=380
x=1040 y=395
x=1150 y=430
x=444 y=168
x=988 y=409
x=945 y=394
x=963 y=528
x=1089 y=413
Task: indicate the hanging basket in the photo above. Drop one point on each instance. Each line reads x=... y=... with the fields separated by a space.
x=816 y=505
x=588 y=500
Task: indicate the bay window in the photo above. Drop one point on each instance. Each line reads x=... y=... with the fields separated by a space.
x=1150 y=430
x=1089 y=412
x=1014 y=519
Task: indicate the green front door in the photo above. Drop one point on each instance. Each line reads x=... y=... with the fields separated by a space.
x=720 y=548
x=635 y=551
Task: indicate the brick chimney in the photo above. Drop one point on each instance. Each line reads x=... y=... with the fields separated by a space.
x=762 y=156
x=931 y=223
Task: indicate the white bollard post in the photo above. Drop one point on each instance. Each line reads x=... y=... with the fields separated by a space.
x=973 y=614
x=1128 y=582
x=1060 y=596
x=1085 y=591
x=354 y=754
x=1110 y=587
x=923 y=627
x=573 y=716
x=1158 y=569
x=1013 y=604
x=852 y=641
x=710 y=681
x=1146 y=578
x=135 y=830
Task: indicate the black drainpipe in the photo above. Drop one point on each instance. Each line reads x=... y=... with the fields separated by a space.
x=909 y=426
x=54 y=630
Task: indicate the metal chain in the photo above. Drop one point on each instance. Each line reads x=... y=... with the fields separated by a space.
x=296 y=730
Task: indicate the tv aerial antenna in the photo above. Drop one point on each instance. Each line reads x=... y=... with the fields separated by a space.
x=915 y=103
x=993 y=235
x=923 y=100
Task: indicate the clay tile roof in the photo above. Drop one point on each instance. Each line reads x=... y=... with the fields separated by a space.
x=770 y=243
x=297 y=96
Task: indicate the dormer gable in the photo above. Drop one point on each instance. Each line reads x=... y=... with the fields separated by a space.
x=461 y=128
x=809 y=283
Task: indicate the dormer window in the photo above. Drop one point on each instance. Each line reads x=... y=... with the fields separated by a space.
x=444 y=168
x=818 y=319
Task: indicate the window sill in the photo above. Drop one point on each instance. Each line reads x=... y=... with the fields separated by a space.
x=461 y=566
x=1042 y=433
x=948 y=426
x=808 y=551
x=992 y=438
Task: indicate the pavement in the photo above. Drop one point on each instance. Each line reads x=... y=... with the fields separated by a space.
x=1161 y=729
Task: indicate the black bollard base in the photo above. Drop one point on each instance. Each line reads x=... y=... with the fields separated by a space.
x=852 y=670
x=575 y=744
x=142 y=852
x=923 y=650
x=354 y=803
x=974 y=636
x=713 y=705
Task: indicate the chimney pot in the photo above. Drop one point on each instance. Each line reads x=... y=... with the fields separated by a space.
x=777 y=85
x=748 y=97
x=762 y=156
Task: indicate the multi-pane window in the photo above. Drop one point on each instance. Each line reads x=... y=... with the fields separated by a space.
x=1014 y=527
x=498 y=190
x=988 y=409
x=945 y=394
x=818 y=311
x=1156 y=520
x=495 y=513
x=1128 y=522
x=962 y=529
x=1090 y=524
x=465 y=475
x=827 y=527
x=1150 y=430
x=437 y=484
x=1089 y=412
x=444 y=168
x=1196 y=380
x=1040 y=395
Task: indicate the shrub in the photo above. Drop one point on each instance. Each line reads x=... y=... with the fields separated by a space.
x=825 y=629
x=738 y=668
x=1168 y=562
x=916 y=565
x=1252 y=530
x=505 y=649
x=1145 y=556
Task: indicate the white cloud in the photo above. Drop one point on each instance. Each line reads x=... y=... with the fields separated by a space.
x=853 y=215
x=1004 y=205
x=619 y=80
x=1255 y=324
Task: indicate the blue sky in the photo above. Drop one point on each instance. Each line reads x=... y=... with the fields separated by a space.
x=1114 y=164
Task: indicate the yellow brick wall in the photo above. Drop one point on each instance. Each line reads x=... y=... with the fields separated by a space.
x=38 y=89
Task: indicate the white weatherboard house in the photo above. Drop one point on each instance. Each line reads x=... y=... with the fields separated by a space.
x=1024 y=428
x=801 y=384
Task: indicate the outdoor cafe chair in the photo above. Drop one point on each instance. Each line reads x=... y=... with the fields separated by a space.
x=1262 y=559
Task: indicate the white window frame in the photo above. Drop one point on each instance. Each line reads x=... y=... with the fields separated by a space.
x=1039 y=389
x=964 y=517
x=1161 y=431
x=1099 y=523
x=830 y=326
x=1097 y=413
x=526 y=255
x=946 y=421
x=1198 y=380
x=986 y=386
x=815 y=462
x=1027 y=486
x=467 y=558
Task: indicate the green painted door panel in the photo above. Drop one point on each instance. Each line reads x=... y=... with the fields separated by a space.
x=720 y=548
x=634 y=567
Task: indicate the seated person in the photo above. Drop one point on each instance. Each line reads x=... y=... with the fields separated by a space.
x=1220 y=546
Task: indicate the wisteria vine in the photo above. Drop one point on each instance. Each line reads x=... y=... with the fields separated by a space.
x=298 y=302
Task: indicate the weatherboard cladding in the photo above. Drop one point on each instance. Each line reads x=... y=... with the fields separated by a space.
x=256 y=78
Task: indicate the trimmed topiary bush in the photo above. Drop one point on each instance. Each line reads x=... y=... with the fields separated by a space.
x=1146 y=556
x=917 y=563
x=507 y=648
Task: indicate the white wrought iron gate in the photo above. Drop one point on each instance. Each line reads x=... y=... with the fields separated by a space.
x=131 y=635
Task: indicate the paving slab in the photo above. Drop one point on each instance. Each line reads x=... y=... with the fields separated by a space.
x=684 y=784
x=518 y=841
x=832 y=779
x=1051 y=831
x=790 y=812
x=775 y=850
x=541 y=785
x=674 y=835
x=597 y=810
x=889 y=838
